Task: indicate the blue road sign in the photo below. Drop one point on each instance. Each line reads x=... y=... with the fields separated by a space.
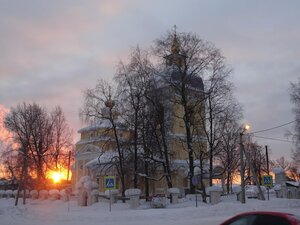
x=267 y=180
x=110 y=182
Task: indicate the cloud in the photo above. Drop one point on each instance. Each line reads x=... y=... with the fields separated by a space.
x=53 y=50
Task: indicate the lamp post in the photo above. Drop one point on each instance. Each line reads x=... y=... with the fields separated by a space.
x=242 y=166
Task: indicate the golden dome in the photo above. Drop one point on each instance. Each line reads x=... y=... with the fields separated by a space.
x=175 y=45
x=109 y=103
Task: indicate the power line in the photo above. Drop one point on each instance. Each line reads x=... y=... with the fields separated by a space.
x=274 y=139
x=273 y=128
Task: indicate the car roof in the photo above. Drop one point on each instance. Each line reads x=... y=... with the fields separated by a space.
x=281 y=214
x=266 y=213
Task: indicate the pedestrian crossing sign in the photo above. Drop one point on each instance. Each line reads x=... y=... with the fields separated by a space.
x=110 y=182
x=267 y=180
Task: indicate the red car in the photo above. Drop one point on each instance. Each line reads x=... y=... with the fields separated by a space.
x=263 y=218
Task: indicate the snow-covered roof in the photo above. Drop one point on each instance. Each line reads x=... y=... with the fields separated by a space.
x=104 y=123
x=93 y=140
x=293 y=183
x=104 y=158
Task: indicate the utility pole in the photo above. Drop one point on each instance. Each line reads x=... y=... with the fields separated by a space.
x=69 y=162
x=242 y=170
x=268 y=171
x=267 y=158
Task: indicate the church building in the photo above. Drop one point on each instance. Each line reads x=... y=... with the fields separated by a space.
x=96 y=148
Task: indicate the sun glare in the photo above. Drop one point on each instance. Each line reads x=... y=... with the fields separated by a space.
x=58 y=176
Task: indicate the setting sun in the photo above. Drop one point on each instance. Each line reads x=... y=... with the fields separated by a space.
x=58 y=176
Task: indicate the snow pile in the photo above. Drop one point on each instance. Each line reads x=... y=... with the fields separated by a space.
x=236 y=189
x=6 y=194
x=84 y=188
x=22 y=193
x=95 y=192
x=214 y=188
x=64 y=195
x=54 y=194
x=86 y=183
x=9 y=193
x=174 y=191
x=15 y=192
x=112 y=192
x=43 y=194
x=134 y=191
x=34 y=194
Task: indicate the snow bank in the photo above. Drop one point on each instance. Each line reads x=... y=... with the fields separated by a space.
x=95 y=192
x=9 y=193
x=134 y=191
x=214 y=188
x=88 y=185
x=86 y=182
x=34 y=194
x=44 y=194
x=6 y=193
x=15 y=192
x=112 y=192
x=54 y=194
x=236 y=189
x=277 y=187
x=64 y=195
x=174 y=191
x=184 y=213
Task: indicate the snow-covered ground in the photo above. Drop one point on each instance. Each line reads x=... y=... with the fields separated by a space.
x=57 y=212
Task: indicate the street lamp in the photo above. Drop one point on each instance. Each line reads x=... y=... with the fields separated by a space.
x=242 y=167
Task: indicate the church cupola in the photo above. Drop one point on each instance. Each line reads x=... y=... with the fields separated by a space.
x=175 y=58
x=109 y=103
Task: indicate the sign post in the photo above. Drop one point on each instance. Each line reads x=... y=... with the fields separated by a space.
x=267 y=180
x=195 y=181
x=110 y=184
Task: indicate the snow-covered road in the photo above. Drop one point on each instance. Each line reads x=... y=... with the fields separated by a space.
x=48 y=212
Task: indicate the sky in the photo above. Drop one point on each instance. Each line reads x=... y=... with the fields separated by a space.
x=57 y=212
x=51 y=51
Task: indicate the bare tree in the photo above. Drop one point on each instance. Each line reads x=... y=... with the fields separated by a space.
x=258 y=159
x=33 y=131
x=295 y=99
x=20 y=122
x=229 y=155
x=99 y=105
x=62 y=135
x=134 y=80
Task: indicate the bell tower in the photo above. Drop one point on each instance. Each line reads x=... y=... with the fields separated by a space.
x=175 y=58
